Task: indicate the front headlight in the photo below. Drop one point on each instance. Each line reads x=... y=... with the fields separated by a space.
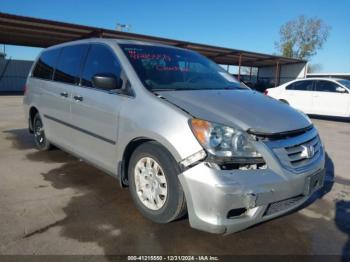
x=223 y=141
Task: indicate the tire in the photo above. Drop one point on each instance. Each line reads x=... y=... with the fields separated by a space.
x=169 y=207
x=40 y=139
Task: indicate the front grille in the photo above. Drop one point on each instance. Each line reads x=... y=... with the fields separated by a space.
x=296 y=156
x=282 y=205
x=298 y=153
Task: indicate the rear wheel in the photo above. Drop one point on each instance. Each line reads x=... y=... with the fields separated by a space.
x=154 y=185
x=39 y=134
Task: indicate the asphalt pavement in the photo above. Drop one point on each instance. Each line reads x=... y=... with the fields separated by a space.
x=53 y=203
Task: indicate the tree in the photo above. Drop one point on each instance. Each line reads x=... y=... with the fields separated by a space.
x=314 y=68
x=302 y=37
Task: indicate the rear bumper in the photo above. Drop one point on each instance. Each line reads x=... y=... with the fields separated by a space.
x=263 y=194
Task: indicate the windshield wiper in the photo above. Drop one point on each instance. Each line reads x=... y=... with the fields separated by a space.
x=177 y=89
x=165 y=89
x=233 y=87
x=196 y=89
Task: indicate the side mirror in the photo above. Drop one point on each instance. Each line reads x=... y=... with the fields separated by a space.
x=106 y=82
x=340 y=89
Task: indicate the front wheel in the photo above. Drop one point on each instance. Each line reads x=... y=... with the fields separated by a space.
x=40 y=139
x=154 y=185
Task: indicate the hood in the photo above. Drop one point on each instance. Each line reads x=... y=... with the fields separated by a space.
x=242 y=108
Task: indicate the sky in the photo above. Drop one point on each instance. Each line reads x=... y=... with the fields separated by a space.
x=248 y=25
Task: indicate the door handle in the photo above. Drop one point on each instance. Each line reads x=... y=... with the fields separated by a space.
x=78 y=98
x=64 y=94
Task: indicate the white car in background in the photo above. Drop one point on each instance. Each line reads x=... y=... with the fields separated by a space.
x=318 y=96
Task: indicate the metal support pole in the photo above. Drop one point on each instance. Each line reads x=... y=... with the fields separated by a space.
x=306 y=68
x=228 y=68
x=250 y=73
x=239 y=67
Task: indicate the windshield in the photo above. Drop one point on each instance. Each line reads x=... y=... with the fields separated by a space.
x=345 y=83
x=166 y=68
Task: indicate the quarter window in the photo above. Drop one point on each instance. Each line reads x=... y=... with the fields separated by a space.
x=69 y=64
x=100 y=60
x=301 y=86
x=326 y=86
x=45 y=66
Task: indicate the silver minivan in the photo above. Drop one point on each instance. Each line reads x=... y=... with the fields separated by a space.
x=175 y=128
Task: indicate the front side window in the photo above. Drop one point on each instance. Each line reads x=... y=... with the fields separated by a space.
x=100 y=60
x=166 y=68
x=326 y=86
x=301 y=86
x=69 y=64
x=345 y=83
x=45 y=65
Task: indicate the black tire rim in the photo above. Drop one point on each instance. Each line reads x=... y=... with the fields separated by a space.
x=39 y=133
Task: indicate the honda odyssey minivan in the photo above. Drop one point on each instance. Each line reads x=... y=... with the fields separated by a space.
x=175 y=128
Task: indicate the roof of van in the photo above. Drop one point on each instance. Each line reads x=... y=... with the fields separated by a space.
x=111 y=41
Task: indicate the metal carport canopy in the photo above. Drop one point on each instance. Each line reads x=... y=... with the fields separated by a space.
x=34 y=32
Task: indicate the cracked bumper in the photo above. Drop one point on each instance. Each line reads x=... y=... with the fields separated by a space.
x=265 y=194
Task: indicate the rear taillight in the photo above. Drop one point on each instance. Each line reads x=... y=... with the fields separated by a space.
x=25 y=89
x=266 y=92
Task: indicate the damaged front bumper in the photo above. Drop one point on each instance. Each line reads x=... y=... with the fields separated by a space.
x=227 y=201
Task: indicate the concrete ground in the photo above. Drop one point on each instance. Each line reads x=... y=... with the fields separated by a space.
x=52 y=203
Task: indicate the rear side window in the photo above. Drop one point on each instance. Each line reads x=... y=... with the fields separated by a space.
x=45 y=65
x=69 y=64
x=301 y=86
x=326 y=86
x=100 y=60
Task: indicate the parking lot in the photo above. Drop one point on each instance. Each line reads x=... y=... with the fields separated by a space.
x=53 y=203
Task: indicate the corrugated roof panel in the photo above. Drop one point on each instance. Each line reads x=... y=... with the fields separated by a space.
x=29 y=31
